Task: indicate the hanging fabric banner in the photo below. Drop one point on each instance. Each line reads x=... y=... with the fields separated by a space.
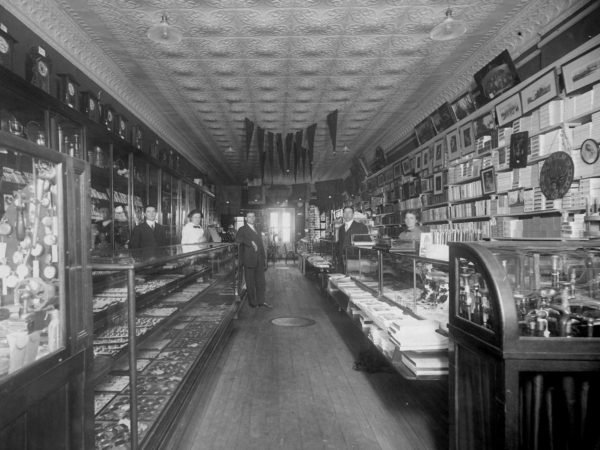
x=332 y=124
x=249 y=126
x=310 y=140
x=289 y=140
x=303 y=154
x=297 y=150
x=260 y=139
x=270 y=152
x=279 y=143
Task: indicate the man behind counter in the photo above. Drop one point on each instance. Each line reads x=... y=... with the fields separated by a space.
x=149 y=233
x=345 y=232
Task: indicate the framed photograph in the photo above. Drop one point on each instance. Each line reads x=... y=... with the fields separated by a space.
x=426 y=185
x=509 y=109
x=425 y=160
x=397 y=170
x=405 y=191
x=425 y=130
x=438 y=186
x=488 y=181
x=389 y=175
x=380 y=180
x=539 y=92
x=519 y=149
x=516 y=198
x=463 y=106
x=443 y=117
x=444 y=179
x=484 y=125
x=406 y=167
x=438 y=153
x=589 y=151
x=452 y=141
x=467 y=143
x=583 y=71
x=497 y=76
x=418 y=162
x=424 y=173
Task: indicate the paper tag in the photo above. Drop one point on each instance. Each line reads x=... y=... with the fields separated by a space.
x=55 y=253
x=3 y=28
x=42 y=52
x=36 y=268
x=2 y=249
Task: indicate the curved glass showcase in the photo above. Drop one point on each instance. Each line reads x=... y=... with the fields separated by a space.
x=525 y=353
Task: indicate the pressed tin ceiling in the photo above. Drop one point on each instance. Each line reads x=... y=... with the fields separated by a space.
x=284 y=64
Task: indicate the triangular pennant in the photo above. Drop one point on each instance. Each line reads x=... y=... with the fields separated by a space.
x=310 y=138
x=297 y=150
x=270 y=137
x=279 y=143
x=332 y=125
x=260 y=139
x=303 y=154
x=289 y=140
x=249 y=127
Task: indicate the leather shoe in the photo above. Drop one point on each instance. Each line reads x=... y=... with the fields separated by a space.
x=266 y=305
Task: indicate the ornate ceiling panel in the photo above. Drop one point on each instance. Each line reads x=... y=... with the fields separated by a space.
x=284 y=64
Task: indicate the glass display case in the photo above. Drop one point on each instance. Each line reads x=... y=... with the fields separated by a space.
x=401 y=303
x=525 y=329
x=137 y=295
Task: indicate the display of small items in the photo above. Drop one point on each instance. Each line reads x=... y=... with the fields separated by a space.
x=473 y=297
x=435 y=286
x=565 y=305
x=30 y=319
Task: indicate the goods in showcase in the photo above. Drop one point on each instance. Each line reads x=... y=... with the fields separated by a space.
x=30 y=306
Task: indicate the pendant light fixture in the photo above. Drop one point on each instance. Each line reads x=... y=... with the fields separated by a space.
x=449 y=29
x=164 y=33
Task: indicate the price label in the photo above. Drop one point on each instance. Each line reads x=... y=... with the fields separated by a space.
x=55 y=253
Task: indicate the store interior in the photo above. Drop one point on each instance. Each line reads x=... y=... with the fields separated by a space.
x=463 y=138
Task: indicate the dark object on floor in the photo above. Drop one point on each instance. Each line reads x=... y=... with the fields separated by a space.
x=371 y=361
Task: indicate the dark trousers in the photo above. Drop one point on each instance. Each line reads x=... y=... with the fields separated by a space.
x=255 y=283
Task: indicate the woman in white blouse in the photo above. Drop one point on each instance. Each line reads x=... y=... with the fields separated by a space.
x=192 y=232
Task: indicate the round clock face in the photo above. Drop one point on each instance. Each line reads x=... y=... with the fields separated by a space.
x=556 y=175
x=42 y=68
x=122 y=125
x=589 y=151
x=4 y=47
x=109 y=116
x=92 y=104
x=71 y=89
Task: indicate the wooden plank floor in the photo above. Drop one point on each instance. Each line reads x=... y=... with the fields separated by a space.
x=294 y=387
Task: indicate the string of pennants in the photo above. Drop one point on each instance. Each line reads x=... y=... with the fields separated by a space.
x=295 y=149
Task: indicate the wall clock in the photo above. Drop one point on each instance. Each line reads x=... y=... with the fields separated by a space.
x=589 y=151
x=7 y=44
x=556 y=175
x=38 y=68
x=68 y=91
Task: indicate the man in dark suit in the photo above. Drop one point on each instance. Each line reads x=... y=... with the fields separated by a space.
x=253 y=258
x=345 y=232
x=148 y=234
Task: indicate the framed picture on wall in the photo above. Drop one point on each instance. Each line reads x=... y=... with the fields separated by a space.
x=463 y=106
x=425 y=158
x=443 y=117
x=389 y=175
x=467 y=143
x=497 y=76
x=452 y=142
x=509 y=109
x=380 y=180
x=438 y=153
x=484 y=125
x=539 y=92
x=438 y=186
x=418 y=162
x=488 y=181
x=397 y=170
x=406 y=167
x=583 y=71
x=425 y=130
x=426 y=185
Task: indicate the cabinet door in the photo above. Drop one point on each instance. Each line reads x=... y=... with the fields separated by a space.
x=44 y=327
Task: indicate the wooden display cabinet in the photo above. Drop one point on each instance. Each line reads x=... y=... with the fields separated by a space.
x=45 y=328
x=524 y=359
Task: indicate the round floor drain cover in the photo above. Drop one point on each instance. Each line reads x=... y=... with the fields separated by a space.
x=292 y=322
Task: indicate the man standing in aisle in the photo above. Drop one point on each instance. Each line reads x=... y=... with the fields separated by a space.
x=345 y=232
x=148 y=234
x=253 y=258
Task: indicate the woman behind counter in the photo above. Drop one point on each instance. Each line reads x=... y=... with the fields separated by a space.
x=412 y=230
x=192 y=232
